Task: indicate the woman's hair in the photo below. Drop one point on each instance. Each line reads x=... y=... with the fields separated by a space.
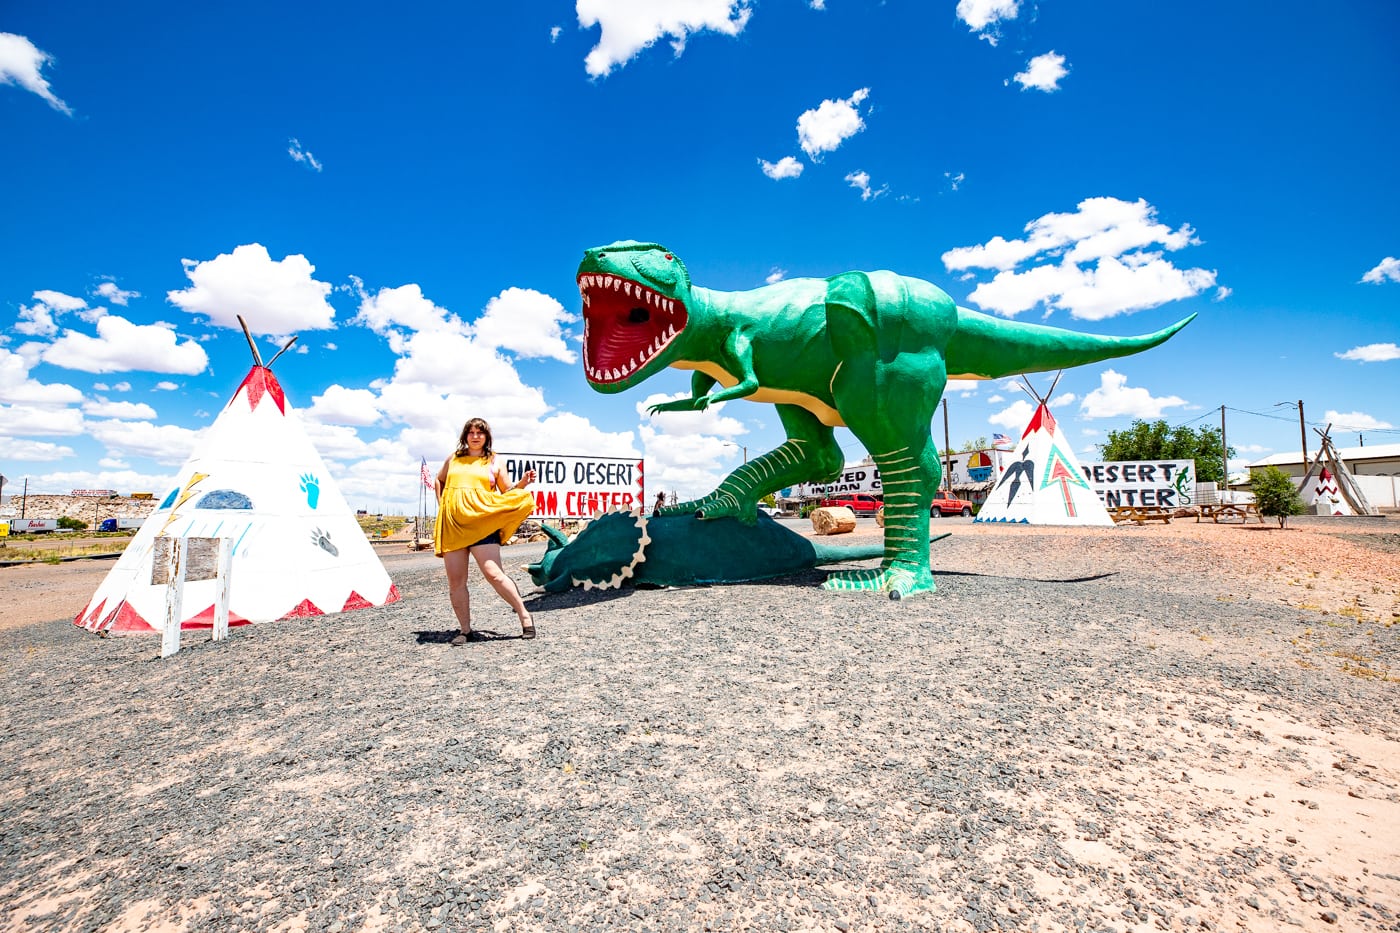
x=462 y=441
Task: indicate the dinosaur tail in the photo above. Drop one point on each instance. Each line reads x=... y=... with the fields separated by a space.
x=988 y=347
x=835 y=553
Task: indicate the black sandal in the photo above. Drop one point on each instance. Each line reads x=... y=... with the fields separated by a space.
x=527 y=629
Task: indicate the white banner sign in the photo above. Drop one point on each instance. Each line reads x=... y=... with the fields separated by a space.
x=568 y=486
x=859 y=477
x=1167 y=484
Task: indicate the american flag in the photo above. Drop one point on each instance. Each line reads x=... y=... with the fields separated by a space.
x=1001 y=440
x=427 y=480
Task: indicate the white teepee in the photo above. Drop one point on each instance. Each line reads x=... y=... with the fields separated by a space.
x=256 y=481
x=1043 y=483
x=1321 y=488
x=1328 y=482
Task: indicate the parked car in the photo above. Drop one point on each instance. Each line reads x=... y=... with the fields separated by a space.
x=860 y=503
x=950 y=506
x=770 y=511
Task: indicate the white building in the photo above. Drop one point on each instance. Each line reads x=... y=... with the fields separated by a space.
x=1375 y=460
x=1376 y=470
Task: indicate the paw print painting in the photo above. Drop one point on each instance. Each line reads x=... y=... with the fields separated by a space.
x=322 y=539
x=312 y=487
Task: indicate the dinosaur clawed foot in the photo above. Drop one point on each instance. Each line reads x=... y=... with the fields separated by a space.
x=715 y=505
x=899 y=580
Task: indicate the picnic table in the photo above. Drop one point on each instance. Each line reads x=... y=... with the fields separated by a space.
x=1219 y=510
x=1140 y=514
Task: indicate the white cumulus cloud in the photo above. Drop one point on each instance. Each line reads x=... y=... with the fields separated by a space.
x=1108 y=233
x=43 y=420
x=22 y=64
x=17 y=386
x=105 y=408
x=1387 y=270
x=1371 y=353
x=1043 y=73
x=108 y=291
x=31 y=451
x=828 y=125
x=982 y=16
x=527 y=323
x=121 y=346
x=1354 y=421
x=1015 y=416
x=1115 y=398
x=861 y=182
x=164 y=443
x=630 y=26
x=391 y=312
x=339 y=405
x=274 y=296
x=786 y=167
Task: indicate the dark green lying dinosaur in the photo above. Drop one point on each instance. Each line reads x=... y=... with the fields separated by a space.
x=620 y=548
x=868 y=350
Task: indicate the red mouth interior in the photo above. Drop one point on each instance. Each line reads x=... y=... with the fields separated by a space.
x=625 y=326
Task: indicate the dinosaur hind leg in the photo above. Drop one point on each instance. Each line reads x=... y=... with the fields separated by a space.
x=810 y=454
x=907 y=477
x=891 y=377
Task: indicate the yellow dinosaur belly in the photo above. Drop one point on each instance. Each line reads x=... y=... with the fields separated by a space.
x=823 y=412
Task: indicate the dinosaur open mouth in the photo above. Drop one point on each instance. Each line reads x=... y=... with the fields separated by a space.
x=625 y=326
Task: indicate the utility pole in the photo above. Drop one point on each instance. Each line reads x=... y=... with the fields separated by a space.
x=1303 y=431
x=24 y=503
x=1224 y=449
x=947 y=460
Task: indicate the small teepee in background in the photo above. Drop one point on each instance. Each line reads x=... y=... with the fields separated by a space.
x=1043 y=483
x=256 y=480
x=1329 y=482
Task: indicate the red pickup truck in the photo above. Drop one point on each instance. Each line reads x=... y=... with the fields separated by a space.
x=950 y=506
x=860 y=503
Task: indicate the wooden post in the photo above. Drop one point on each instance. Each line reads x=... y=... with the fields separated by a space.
x=222 y=589
x=176 y=553
x=176 y=561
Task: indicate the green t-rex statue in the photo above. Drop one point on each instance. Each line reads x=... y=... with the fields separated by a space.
x=869 y=350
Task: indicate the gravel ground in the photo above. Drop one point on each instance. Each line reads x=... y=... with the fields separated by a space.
x=1113 y=729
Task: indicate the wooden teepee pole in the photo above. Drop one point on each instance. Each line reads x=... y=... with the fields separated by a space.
x=257 y=357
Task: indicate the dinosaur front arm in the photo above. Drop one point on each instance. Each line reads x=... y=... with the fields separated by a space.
x=700 y=385
x=737 y=355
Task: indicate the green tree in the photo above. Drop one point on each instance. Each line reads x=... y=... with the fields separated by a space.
x=1158 y=441
x=1275 y=494
x=69 y=523
x=969 y=446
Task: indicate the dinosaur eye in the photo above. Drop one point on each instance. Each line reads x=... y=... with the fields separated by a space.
x=669 y=256
x=638 y=316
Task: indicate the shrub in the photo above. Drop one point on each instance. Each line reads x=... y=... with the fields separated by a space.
x=69 y=523
x=1275 y=494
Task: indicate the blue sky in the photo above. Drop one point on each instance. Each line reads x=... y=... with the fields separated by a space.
x=408 y=189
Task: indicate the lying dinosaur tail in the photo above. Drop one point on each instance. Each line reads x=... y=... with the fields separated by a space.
x=824 y=553
x=989 y=347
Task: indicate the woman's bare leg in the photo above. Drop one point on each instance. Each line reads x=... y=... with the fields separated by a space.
x=457 y=566
x=488 y=558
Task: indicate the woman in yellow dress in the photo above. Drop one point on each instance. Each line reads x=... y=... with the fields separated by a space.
x=478 y=511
